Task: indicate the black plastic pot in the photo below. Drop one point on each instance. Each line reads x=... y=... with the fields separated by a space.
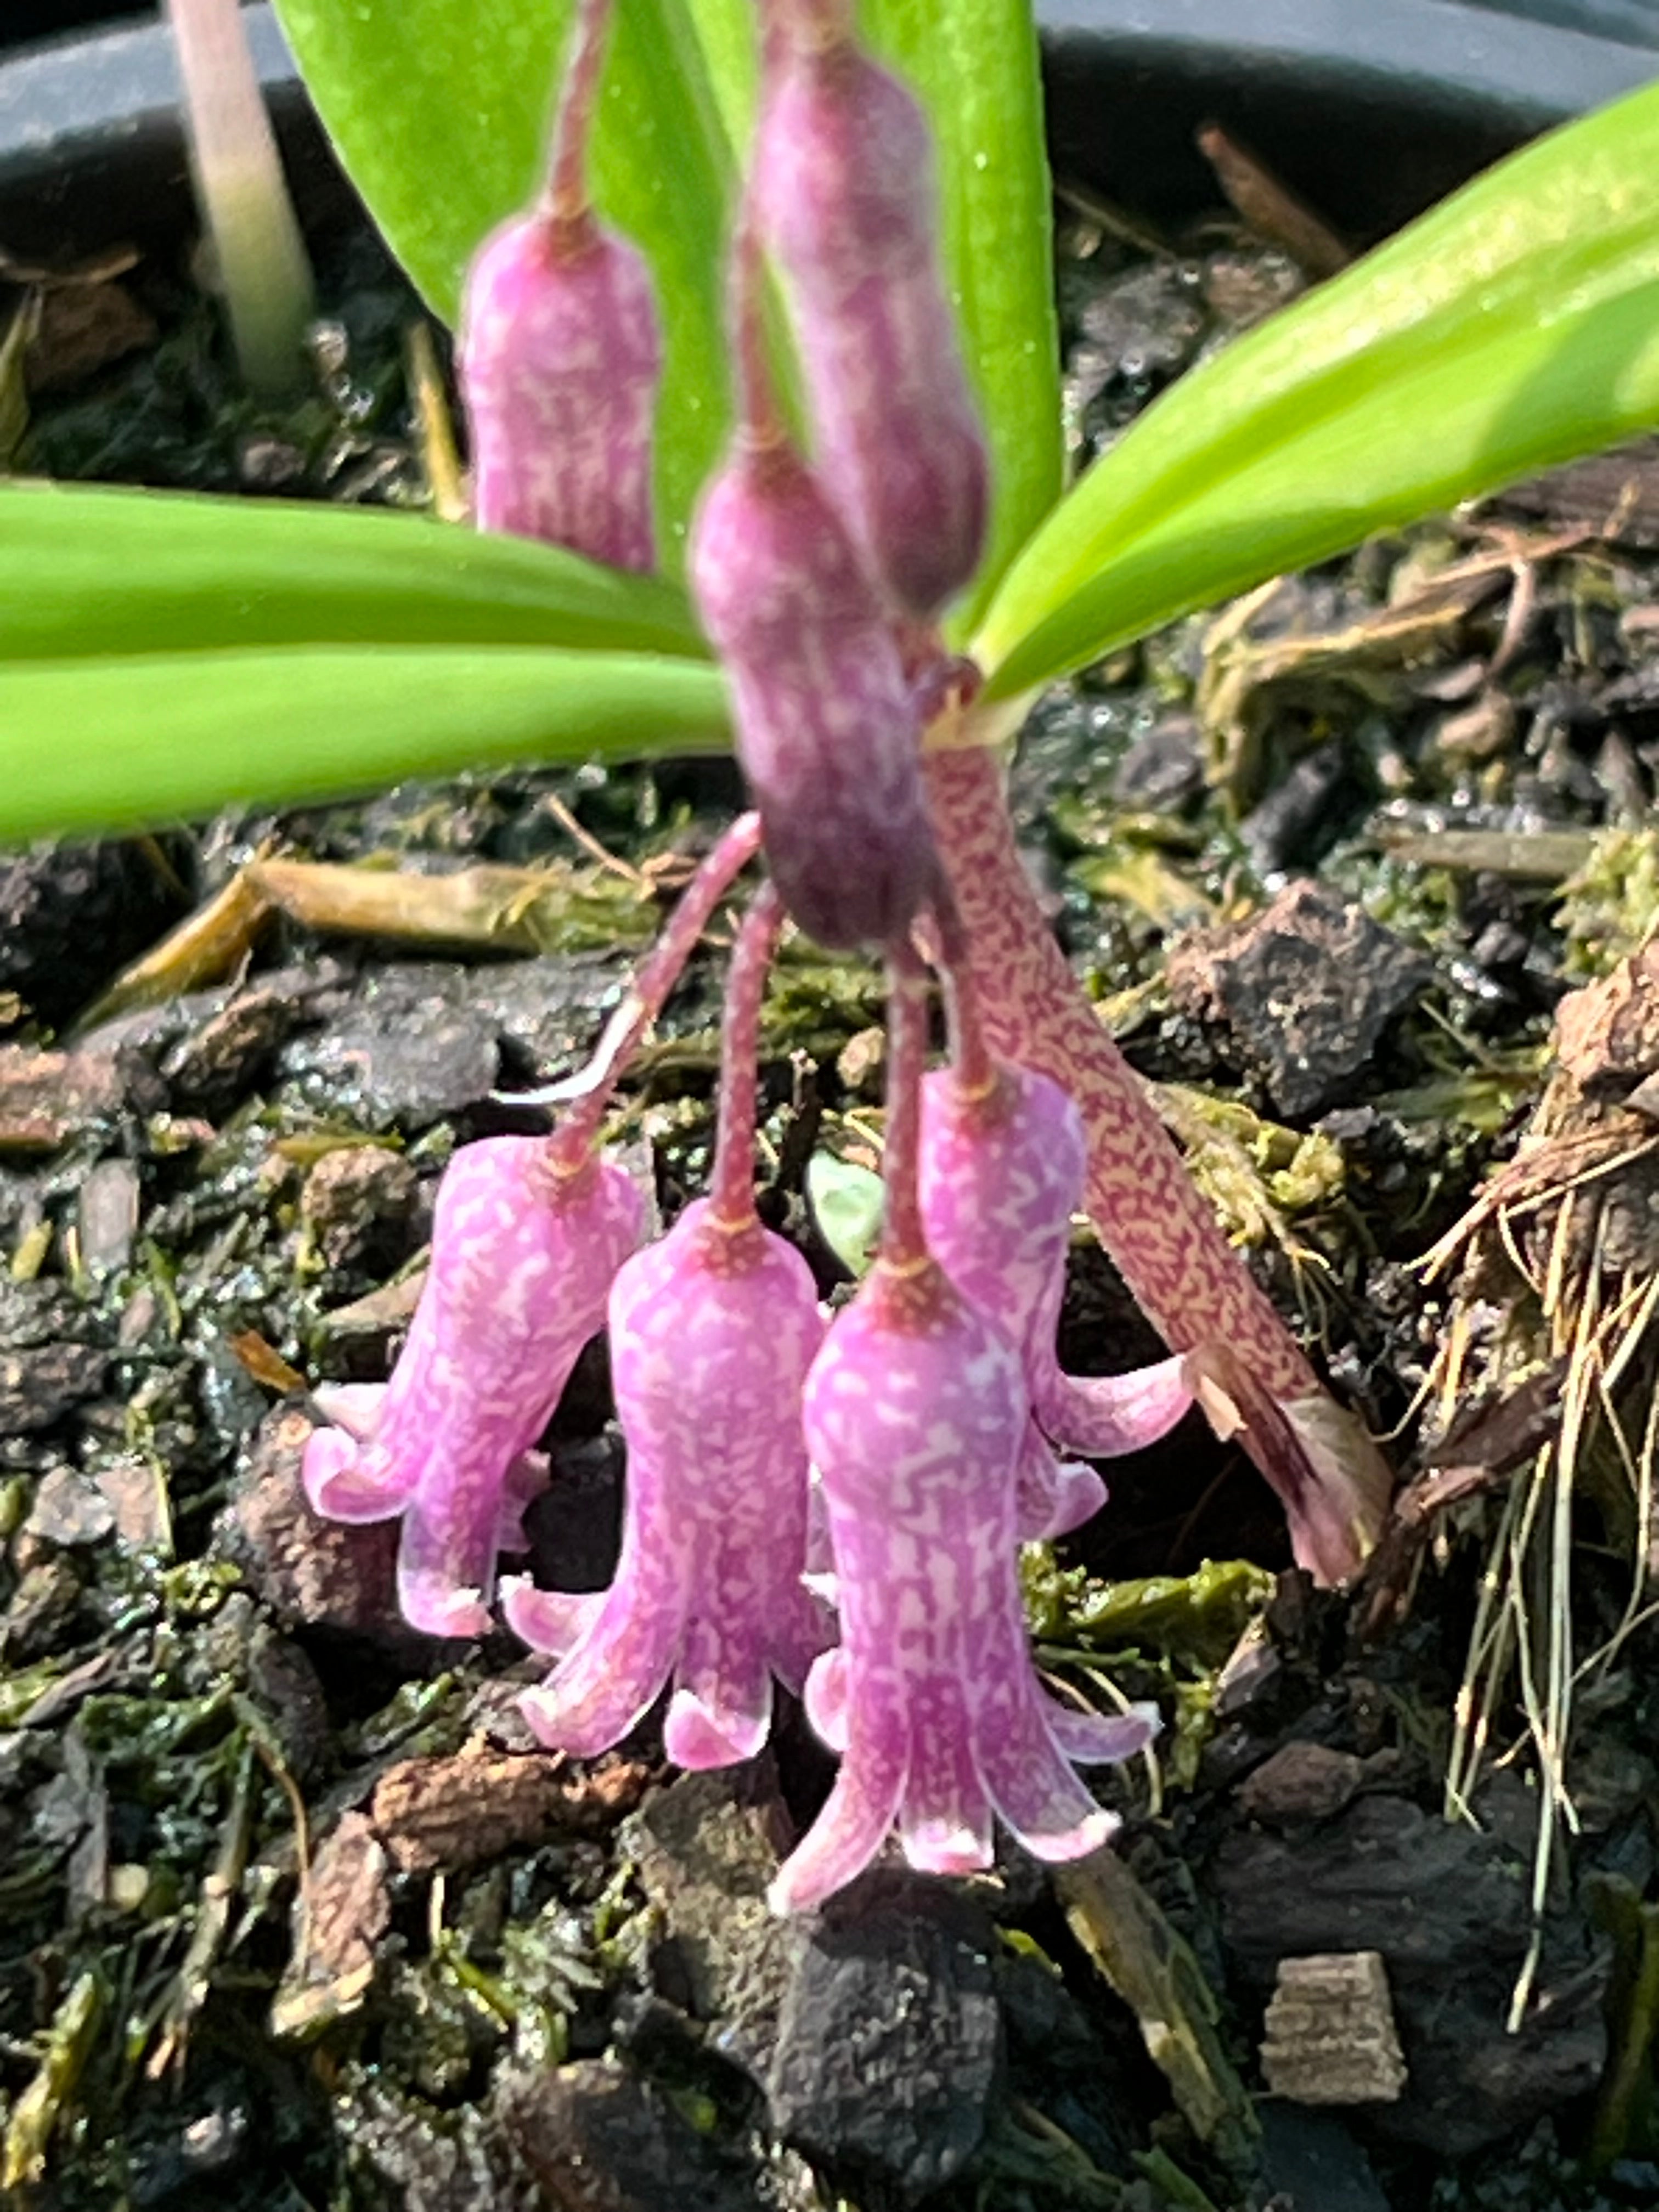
x=1372 y=108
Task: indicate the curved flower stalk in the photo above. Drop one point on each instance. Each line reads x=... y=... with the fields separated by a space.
x=1250 y=1375
x=712 y=1333
x=523 y=1256
x=560 y=355
x=915 y=1415
x=1002 y=1171
x=527 y=1238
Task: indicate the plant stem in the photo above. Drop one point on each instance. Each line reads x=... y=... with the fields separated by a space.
x=732 y=1188
x=1169 y=1248
x=567 y=202
x=262 y=268
x=570 y=1143
x=903 y=1246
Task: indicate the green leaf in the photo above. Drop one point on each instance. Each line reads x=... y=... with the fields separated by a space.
x=440 y=111
x=846 y=1201
x=974 y=65
x=122 y=741
x=1512 y=327
x=109 y=571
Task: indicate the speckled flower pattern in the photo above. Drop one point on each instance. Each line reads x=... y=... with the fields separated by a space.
x=559 y=360
x=712 y=1333
x=522 y=1263
x=1002 y=1172
x=915 y=1414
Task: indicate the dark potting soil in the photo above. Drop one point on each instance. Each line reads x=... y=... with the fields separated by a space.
x=293 y=1913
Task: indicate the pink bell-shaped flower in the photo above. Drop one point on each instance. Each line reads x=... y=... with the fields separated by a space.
x=712 y=1331
x=523 y=1253
x=559 y=354
x=915 y=1415
x=1002 y=1167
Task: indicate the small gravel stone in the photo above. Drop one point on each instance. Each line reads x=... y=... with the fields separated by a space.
x=890 y=2043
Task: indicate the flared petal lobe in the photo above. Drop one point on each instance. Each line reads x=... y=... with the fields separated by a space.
x=712 y=1333
x=523 y=1258
x=915 y=1416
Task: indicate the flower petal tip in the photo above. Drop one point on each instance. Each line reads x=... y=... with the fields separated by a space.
x=436 y=1610
x=697 y=1736
x=339 y=1486
x=1092 y=1833
x=553 y=1621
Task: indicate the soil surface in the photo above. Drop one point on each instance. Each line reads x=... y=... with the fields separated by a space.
x=291 y=1914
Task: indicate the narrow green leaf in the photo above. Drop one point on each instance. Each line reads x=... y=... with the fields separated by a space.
x=728 y=34
x=440 y=111
x=113 y=571
x=1514 y=326
x=974 y=64
x=117 y=743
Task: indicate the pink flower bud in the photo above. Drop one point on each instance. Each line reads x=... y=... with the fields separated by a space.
x=843 y=188
x=827 y=729
x=1001 y=1173
x=712 y=1331
x=522 y=1261
x=559 y=360
x=915 y=1415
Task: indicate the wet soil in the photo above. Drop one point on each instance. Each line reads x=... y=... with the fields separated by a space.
x=291 y=1913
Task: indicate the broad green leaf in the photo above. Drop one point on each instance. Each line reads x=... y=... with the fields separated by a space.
x=119 y=742
x=1512 y=327
x=113 y=571
x=440 y=111
x=974 y=65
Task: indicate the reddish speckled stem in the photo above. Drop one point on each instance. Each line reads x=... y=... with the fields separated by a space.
x=903 y=1241
x=1188 y=1279
x=567 y=202
x=732 y=1188
x=658 y=975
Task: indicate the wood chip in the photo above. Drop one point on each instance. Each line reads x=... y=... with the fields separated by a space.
x=1330 y=2034
x=443 y=1814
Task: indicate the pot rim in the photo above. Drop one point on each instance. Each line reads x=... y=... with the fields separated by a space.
x=1427 y=90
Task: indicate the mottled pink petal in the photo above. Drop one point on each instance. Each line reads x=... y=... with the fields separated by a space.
x=603 y=1688
x=945 y=1821
x=341 y=1488
x=523 y=1257
x=1002 y=1174
x=1107 y=1415
x=1101 y=1739
x=1053 y=1496
x=554 y=1621
x=826 y=1698
x=353 y=1407
x=850 y=1830
x=712 y=1331
x=916 y=1417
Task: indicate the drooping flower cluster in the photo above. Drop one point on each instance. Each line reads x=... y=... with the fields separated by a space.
x=902 y=1450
